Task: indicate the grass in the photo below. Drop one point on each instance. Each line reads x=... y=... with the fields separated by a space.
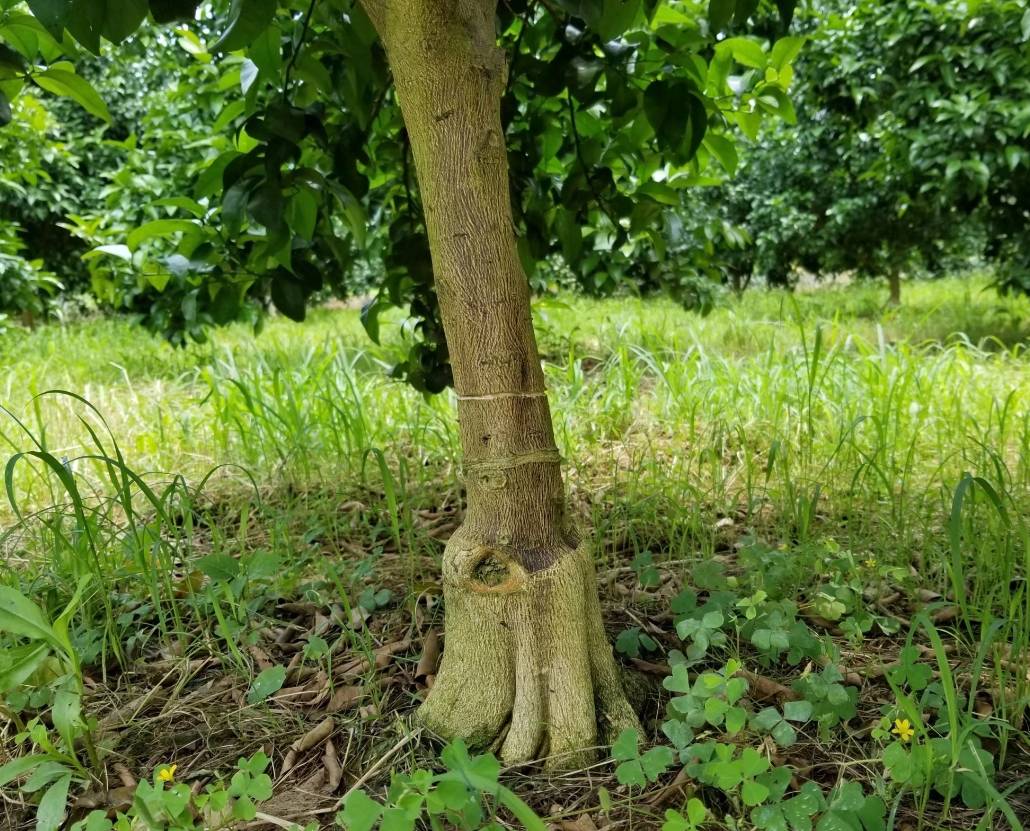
x=203 y=488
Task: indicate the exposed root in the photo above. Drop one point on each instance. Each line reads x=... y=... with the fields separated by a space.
x=526 y=664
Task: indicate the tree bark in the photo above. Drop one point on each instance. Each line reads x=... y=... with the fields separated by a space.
x=527 y=667
x=894 y=281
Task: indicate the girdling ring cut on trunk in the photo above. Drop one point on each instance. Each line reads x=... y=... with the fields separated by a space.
x=493 y=571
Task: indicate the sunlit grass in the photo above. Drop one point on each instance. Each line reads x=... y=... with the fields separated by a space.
x=797 y=417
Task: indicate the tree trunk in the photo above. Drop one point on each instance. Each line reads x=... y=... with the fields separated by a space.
x=527 y=667
x=894 y=281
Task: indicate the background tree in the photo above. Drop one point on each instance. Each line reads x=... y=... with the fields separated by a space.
x=608 y=111
x=909 y=151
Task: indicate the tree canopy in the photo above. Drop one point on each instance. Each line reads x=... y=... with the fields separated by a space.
x=286 y=167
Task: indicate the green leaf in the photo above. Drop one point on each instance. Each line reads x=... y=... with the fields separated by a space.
x=221 y=568
x=785 y=50
x=159 y=228
x=260 y=787
x=679 y=681
x=720 y=12
x=167 y=11
x=663 y=107
x=752 y=763
x=696 y=811
x=19 y=767
x=834 y=820
x=769 y=818
x=479 y=772
x=715 y=711
x=753 y=793
x=20 y=616
x=873 y=813
x=268 y=681
x=628 y=642
x=67 y=715
x=53 y=14
x=69 y=85
x=631 y=773
x=43 y=775
x=775 y=100
x=678 y=733
x=848 y=797
x=797 y=710
x=736 y=718
x=744 y=10
x=247 y=20
x=289 y=297
x=784 y=735
x=370 y=317
x=184 y=202
x=266 y=53
x=397 y=819
x=724 y=150
x=122 y=18
x=302 y=213
x=18 y=664
x=898 y=761
x=50 y=813
x=745 y=51
x=765 y=720
x=656 y=761
x=359 y=811
x=625 y=746
x=617 y=16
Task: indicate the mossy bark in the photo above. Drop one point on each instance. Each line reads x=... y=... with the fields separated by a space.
x=526 y=667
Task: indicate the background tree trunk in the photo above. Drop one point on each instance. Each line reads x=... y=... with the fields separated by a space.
x=894 y=281
x=525 y=656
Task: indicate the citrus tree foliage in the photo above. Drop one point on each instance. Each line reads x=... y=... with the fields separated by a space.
x=25 y=286
x=911 y=145
x=614 y=111
x=72 y=180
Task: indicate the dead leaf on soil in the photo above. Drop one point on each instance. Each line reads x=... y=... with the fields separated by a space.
x=314 y=737
x=584 y=822
x=333 y=770
x=344 y=698
x=762 y=688
x=430 y=659
x=116 y=799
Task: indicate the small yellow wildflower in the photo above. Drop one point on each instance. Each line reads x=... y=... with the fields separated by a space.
x=870 y=563
x=167 y=773
x=903 y=729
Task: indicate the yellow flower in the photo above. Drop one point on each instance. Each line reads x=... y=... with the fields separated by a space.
x=870 y=563
x=903 y=730
x=167 y=773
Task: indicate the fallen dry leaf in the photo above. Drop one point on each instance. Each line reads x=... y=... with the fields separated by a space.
x=344 y=698
x=333 y=771
x=315 y=736
x=430 y=659
x=584 y=822
x=762 y=688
